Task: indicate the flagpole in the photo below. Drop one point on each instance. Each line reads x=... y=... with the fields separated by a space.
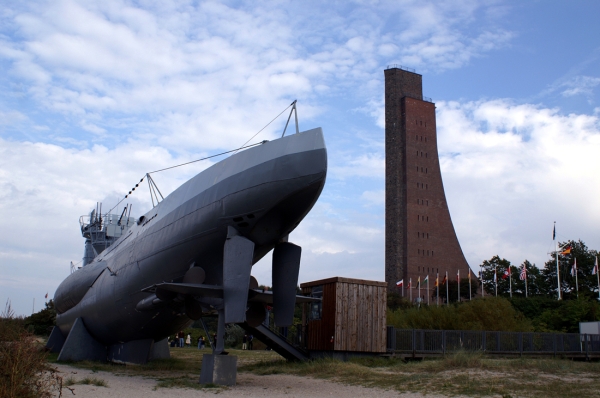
x=557 y=269
x=525 y=280
x=447 y=294
x=458 y=283
x=437 y=288
x=428 y=291
x=482 y=286
x=469 y=284
x=410 y=289
x=576 y=282
x=419 y=287
x=510 y=281
x=496 y=279
x=598 y=276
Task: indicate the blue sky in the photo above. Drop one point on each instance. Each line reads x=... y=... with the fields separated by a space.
x=94 y=94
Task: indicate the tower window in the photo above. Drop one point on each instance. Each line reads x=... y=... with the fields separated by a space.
x=418 y=251
x=421 y=122
x=417 y=168
x=417 y=153
x=425 y=139
x=422 y=138
x=427 y=235
x=427 y=203
x=427 y=218
x=425 y=154
x=417 y=137
x=425 y=186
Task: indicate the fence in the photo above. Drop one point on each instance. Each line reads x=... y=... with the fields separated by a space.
x=417 y=342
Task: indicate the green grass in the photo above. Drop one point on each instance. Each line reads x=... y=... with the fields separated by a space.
x=462 y=373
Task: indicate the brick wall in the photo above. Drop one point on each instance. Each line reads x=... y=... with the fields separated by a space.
x=419 y=236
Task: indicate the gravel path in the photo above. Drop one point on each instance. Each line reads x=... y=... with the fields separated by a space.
x=248 y=385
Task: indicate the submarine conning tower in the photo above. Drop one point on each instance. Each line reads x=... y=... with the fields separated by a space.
x=102 y=230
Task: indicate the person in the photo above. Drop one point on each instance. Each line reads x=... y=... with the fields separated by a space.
x=250 y=338
x=188 y=340
x=180 y=335
x=244 y=340
x=201 y=343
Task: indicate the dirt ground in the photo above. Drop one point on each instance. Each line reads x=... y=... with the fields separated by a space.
x=248 y=385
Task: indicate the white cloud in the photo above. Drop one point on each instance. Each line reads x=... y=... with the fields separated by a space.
x=580 y=85
x=511 y=170
x=114 y=89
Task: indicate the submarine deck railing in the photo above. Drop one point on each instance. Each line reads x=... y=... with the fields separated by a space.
x=420 y=342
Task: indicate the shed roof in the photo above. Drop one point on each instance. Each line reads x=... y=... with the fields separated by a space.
x=340 y=279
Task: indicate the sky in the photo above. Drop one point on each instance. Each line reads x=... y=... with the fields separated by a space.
x=95 y=94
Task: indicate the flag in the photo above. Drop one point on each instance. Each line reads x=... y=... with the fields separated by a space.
x=574 y=268
x=566 y=250
x=458 y=276
x=46 y=295
x=444 y=280
x=469 y=274
x=437 y=280
x=523 y=274
x=554 y=233
x=506 y=274
x=595 y=269
x=418 y=282
x=495 y=275
x=400 y=282
x=426 y=279
x=408 y=286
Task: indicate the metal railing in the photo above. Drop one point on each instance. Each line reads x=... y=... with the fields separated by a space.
x=294 y=335
x=396 y=66
x=419 y=341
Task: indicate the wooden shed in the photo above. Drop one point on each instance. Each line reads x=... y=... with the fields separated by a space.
x=351 y=317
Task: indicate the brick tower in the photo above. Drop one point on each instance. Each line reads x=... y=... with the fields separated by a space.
x=419 y=236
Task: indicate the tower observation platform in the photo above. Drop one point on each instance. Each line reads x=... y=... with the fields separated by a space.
x=420 y=238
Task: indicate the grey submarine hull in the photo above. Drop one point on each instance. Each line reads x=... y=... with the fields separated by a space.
x=263 y=193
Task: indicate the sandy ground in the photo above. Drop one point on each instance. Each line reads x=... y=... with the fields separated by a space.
x=248 y=385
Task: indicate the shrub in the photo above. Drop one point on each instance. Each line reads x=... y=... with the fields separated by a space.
x=24 y=372
x=488 y=313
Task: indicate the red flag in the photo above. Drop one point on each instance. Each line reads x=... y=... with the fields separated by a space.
x=444 y=280
x=505 y=274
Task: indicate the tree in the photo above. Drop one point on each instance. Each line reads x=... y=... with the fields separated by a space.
x=588 y=283
x=496 y=266
x=534 y=280
x=41 y=322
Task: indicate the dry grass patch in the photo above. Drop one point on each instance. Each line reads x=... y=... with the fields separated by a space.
x=460 y=374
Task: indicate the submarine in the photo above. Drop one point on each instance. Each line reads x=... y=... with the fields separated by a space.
x=143 y=279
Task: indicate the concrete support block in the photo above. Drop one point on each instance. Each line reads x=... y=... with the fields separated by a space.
x=160 y=350
x=81 y=346
x=132 y=352
x=218 y=369
x=56 y=340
